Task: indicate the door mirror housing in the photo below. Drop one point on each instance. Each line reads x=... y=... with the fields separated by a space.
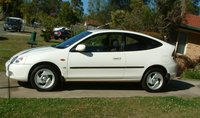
x=80 y=47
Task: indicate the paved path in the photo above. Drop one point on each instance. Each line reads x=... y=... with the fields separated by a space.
x=183 y=88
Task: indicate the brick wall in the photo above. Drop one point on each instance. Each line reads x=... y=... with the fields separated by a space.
x=193 y=46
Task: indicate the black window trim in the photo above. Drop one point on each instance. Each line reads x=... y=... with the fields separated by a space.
x=138 y=37
x=123 y=36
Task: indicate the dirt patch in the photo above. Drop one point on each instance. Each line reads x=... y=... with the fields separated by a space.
x=2 y=75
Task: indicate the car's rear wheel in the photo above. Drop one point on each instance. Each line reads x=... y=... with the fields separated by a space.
x=44 y=78
x=154 y=80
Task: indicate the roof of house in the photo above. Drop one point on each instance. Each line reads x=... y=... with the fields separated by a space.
x=92 y=22
x=191 y=22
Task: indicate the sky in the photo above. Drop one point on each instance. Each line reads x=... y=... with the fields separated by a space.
x=85 y=6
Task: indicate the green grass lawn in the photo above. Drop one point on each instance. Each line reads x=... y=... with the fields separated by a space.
x=10 y=45
x=191 y=74
x=137 y=107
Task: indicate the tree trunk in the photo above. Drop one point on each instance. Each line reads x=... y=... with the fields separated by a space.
x=184 y=7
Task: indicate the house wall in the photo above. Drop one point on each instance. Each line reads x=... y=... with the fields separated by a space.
x=193 y=46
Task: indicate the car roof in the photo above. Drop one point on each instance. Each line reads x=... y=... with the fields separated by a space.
x=14 y=18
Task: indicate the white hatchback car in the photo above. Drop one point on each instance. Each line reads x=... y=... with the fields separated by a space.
x=97 y=55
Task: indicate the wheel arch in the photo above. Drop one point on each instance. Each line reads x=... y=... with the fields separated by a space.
x=155 y=66
x=44 y=63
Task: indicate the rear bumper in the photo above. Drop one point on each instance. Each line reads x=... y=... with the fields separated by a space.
x=171 y=70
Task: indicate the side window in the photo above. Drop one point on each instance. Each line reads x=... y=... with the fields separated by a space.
x=95 y=43
x=136 y=43
x=106 y=42
x=132 y=44
x=115 y=42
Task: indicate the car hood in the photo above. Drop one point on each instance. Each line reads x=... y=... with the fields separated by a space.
x=36 y=51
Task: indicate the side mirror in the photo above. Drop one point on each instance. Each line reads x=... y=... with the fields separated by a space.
x=80 y=47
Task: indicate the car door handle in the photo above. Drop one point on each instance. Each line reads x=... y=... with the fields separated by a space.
x=117 y=58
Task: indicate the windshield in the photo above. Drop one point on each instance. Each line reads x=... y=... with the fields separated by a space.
x=13 y=21
x=72 y=40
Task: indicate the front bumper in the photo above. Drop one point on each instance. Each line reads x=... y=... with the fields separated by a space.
x=17 y=72
x=12 y=28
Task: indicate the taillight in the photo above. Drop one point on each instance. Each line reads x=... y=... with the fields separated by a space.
x=59 y=33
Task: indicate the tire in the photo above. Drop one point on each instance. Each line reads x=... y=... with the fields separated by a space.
x=154 y=80
x=44 y=78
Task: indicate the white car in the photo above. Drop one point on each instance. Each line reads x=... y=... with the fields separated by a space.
x=97 y=55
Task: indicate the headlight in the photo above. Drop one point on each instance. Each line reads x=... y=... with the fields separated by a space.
x=13 y=59
x=18 y=60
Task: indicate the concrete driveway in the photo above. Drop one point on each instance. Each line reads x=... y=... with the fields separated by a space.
x=183 y=88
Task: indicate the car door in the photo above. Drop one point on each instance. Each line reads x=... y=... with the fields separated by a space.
x=102 y=59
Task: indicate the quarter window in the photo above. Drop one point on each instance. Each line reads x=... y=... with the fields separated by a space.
x=136 y=43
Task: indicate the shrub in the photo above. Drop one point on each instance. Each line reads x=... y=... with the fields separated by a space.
x=191 y=74
x=185 y=63
x=188 y=68
x=78 y=28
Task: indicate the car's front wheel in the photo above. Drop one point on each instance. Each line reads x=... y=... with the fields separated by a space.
x=44 y=78
x=154 y=80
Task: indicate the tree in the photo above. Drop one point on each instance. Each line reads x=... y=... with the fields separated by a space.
x=26 y=11
x=192 y=6
x=137 y=18
x=150 y=3
x=33 y=10
x=10 y=7
x=99 y=11
x=77 y=6
x=167 y=17
x=67 y=14
x=46 y=6
x=119 y=4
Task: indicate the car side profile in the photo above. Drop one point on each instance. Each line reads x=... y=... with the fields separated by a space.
x=97 y=55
